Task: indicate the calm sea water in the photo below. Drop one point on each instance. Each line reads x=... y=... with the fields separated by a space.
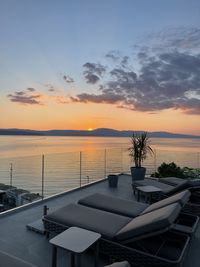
x=18 y=146
x=64 y=165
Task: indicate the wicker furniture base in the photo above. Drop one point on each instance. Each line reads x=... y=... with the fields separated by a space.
x=136 y=257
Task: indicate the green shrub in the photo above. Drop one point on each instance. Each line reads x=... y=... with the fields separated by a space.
x=172 y=170
x=169 y=170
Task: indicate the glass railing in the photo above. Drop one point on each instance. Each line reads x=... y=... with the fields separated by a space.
x=25 y=179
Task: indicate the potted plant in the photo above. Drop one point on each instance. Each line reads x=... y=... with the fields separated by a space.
x=138 y=151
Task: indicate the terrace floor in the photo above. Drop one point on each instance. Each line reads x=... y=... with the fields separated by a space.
x=17 y=240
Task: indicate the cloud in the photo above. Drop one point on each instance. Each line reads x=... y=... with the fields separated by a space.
x=93 y=72
x=30 y=89
x=108 y=98
x=167 y=78
x=30 y=100
x=184 y=38
x=26 y=97
x=20 y=93
x=163 y=74
x=68 y=79
x=61 y=99
x=114 y=55
x=50 y=87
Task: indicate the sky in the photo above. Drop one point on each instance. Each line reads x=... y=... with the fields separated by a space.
x=87 y=64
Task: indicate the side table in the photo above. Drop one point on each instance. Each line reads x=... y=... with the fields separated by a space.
x=76 y=240
x=147 y=190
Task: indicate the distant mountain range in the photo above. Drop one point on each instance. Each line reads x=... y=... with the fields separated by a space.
x=103 y=132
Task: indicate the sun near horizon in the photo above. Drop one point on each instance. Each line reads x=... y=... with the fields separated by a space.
x=90 y=129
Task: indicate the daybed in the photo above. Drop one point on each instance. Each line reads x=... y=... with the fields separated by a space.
x=193 y=206
x=130 y=208
x=144 y=241
x=174 y=181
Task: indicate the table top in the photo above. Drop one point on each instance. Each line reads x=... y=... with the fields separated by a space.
x=75 y=239
x=148 y=189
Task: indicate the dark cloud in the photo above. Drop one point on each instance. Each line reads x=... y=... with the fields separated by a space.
x=30 y=89
x=93 y=72
x=124 y=61
x=68 y=79
x=165 y=79
x=20 y=93
x=52 y=90
x=23 y=97
x=107 y=98
x=113 y=55
x=91 y=78
x=50 y=87
x=184 y=38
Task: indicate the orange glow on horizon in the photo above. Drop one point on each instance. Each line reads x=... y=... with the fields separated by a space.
x=74 y=116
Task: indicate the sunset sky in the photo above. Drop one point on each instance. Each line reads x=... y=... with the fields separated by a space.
x=86 y=64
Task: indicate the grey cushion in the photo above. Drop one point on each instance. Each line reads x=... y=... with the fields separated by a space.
x=149 y=223
x=113 y=204
x=119 y=264
x=174 y=181
x=165 y=187
x=194 y=182
x=105 y=223
x=7 y=260
x=182 y=198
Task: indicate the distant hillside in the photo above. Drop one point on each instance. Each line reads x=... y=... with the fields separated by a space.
x=104 y=132
x=19 y=132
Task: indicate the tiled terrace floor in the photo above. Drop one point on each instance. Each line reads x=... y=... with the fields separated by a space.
x=35 y=248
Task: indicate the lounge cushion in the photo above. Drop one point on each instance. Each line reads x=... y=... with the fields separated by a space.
x=157 y=220
x=119 y=264
x=165 y=187
x=105 y=223
x=129 y=208
x=174 y=181
x=7 y=260
x=182 y=198
x=194 y=182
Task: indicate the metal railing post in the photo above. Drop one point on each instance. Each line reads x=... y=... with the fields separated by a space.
x=198 y=164
x=155 y=161
x=42 y=177
x=11 y=174
x=122 y=169
x=80 y=184
x=105 y=159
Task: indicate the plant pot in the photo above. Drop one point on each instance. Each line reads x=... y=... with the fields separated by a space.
x=112 y=180
x=138 y=173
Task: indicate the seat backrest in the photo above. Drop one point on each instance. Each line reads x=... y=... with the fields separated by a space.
x=149 y=224
x=174 y=181
x=119 y=264
x=165 y=187
x=182 y=198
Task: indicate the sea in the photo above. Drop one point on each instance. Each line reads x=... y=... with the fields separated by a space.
x=68 y=162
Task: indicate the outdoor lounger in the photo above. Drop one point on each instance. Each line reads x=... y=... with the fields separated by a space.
x=175 y=181
x=144 y=241
x=130 y=208
x=193 y=206
x=170 y=185
x=166 y=188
